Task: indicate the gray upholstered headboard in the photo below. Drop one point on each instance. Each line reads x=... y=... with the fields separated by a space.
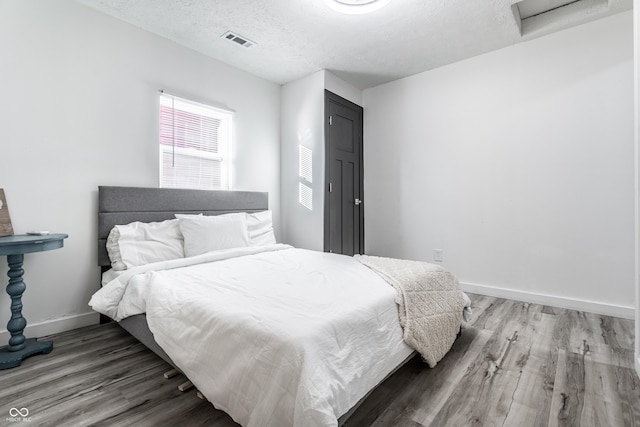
x=122 y=205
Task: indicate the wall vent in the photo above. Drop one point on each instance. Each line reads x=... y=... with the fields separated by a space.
x=240 y=40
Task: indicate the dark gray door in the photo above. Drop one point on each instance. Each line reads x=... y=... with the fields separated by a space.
x=344 y=209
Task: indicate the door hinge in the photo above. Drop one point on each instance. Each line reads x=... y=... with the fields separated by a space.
x=330 y=188
x=330 y=120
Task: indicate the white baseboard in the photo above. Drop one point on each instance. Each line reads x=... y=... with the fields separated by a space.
x=54 y=326
x=625 y=312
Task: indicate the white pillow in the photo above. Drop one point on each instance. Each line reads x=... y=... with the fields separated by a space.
x=113 y=250
x=260 y=228
x=141 y=243
x=212 y=233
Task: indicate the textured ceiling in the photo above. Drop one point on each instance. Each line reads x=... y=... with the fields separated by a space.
x=298 y=37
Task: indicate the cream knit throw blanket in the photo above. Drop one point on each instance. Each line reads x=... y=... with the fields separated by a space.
x=430 y=303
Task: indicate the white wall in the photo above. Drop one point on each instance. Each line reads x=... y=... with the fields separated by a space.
x=302 y=123
x=79 y=109
x=636 y=63
x=518 y=164
x=341 y=88
x=302 y=112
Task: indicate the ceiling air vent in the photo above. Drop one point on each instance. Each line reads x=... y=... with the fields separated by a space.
x=531 y=8
x=537 y=17
x=241 y=40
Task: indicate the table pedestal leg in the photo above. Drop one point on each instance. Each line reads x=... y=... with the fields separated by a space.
x=19 y=347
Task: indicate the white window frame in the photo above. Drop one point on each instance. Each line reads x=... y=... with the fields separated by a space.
x=224 y=142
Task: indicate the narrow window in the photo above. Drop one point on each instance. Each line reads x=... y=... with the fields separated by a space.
x=195 y=142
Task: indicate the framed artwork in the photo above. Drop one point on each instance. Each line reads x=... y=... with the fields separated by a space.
x=5 y=220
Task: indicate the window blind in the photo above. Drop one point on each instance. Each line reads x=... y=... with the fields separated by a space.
x=195 y=143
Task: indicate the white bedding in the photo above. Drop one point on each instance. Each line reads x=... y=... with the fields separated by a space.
x=274 y=336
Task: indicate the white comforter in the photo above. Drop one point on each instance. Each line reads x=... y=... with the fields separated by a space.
x=274 y=336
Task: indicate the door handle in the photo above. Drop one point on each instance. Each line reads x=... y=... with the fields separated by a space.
x=357 y=202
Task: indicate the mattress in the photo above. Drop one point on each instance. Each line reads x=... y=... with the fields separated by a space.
x=274 y=336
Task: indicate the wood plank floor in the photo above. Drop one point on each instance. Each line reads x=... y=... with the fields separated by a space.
x=515 y=364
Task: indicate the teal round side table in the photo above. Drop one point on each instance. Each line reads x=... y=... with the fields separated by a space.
x=14 y=247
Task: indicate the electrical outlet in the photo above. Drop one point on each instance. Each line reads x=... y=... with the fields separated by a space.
x=437 y=255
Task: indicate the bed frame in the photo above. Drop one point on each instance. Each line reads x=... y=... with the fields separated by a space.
x=122 y=205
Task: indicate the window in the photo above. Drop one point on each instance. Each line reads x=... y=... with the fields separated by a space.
x=195 y=144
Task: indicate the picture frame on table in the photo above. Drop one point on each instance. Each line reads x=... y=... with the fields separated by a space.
x=6 y=229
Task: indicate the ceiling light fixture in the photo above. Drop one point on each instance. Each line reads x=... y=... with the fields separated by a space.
x=356 y=7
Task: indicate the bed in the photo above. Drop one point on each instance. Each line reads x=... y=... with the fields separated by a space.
x=272 y=335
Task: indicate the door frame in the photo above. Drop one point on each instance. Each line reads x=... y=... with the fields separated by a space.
x=330 y=97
